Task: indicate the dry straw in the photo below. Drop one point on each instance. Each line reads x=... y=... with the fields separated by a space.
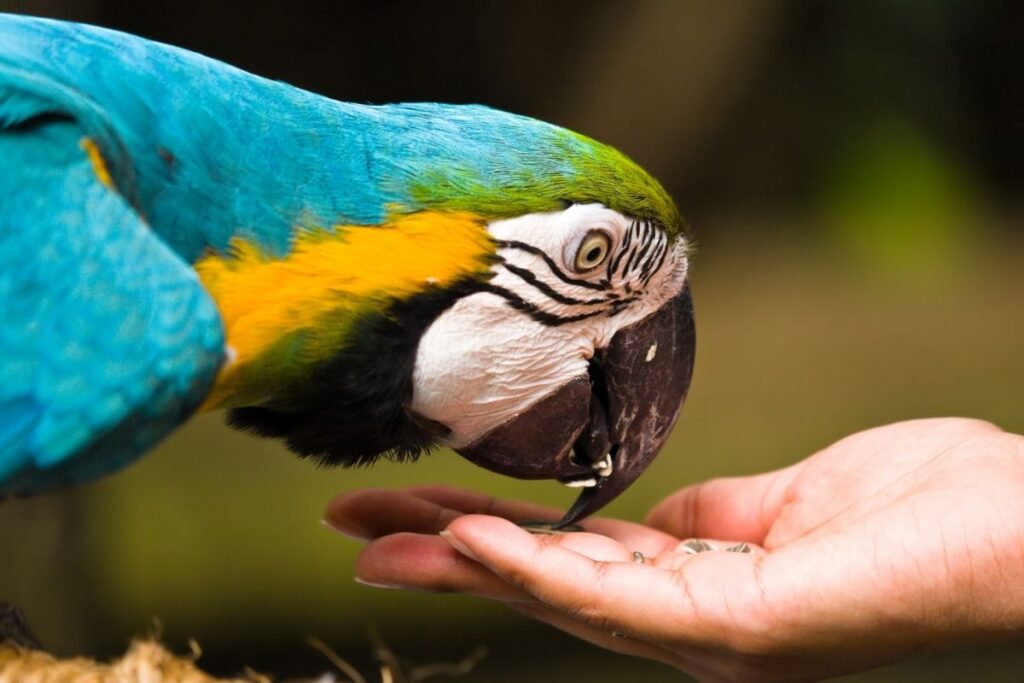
x=145 y=662
x=149 y=662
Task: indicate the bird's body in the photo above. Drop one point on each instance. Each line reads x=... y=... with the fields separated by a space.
x=175 y=231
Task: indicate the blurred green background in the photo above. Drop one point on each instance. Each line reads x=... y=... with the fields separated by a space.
x=852 y=172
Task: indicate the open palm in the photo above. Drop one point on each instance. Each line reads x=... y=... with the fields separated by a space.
x=888 y=541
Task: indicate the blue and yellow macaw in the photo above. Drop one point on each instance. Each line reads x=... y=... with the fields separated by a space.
x=358 y=281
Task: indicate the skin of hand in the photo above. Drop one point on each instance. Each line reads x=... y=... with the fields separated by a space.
x=889 y=542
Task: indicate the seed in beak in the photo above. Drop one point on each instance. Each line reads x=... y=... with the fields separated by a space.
x=549 y=528
x=584 y=481
x=604 y=466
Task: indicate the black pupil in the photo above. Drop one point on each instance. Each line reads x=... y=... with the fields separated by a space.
x=593 y=254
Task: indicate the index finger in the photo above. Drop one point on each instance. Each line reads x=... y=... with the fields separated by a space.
x=636 y=536
x=696 y=605
x=373 y=513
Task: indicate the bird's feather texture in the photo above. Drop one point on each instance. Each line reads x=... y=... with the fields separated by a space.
x=123 y=161
x=107 y=338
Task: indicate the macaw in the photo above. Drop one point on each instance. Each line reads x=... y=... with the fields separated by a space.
x=357 y=281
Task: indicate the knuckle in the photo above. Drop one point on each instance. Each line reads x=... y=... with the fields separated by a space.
x=591 y=616
x=520 y=578
x=524 y=575
x=693 y=504
x=587 y=612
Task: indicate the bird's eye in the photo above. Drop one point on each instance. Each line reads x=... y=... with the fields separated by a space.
x=592 y=252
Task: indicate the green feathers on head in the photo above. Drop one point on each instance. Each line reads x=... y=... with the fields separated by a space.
x=500 y=165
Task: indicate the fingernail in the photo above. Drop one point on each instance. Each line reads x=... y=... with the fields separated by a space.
x=374 y=584
x=347 y=530
x=457 y=544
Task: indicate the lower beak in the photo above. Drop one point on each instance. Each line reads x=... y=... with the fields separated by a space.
x=601 y=432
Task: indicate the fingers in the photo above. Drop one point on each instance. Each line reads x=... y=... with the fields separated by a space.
x=635 y=536
x=373 y=513
x=698 y=604
x=679 y=601
x=474 y=502
x=428 y=563
x=742 y=508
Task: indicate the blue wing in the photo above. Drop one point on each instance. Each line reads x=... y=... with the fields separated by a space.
x=107 y=339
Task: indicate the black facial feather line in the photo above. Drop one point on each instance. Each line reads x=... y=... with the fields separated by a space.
x=643 y=251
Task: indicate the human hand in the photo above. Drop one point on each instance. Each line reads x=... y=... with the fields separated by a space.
x=892 y=540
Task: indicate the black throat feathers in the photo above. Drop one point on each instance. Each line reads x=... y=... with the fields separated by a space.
x=353 y=409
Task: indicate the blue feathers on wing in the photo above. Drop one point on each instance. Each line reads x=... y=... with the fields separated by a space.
x=107 y=339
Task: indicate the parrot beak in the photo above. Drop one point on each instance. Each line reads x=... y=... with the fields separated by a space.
x=601 y=432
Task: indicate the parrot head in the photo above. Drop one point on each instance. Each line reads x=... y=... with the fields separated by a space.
x=523 y=301
x=574 y=360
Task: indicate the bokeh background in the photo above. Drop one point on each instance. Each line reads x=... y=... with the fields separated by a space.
x=852 y=172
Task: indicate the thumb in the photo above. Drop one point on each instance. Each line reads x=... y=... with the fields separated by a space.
x=735 y=508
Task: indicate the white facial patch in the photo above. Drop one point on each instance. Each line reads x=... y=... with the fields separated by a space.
x=497 y=352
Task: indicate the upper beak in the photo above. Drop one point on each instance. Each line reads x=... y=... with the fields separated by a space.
x=601 y=432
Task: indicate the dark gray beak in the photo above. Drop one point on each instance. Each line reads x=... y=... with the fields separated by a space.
x=601 y=432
